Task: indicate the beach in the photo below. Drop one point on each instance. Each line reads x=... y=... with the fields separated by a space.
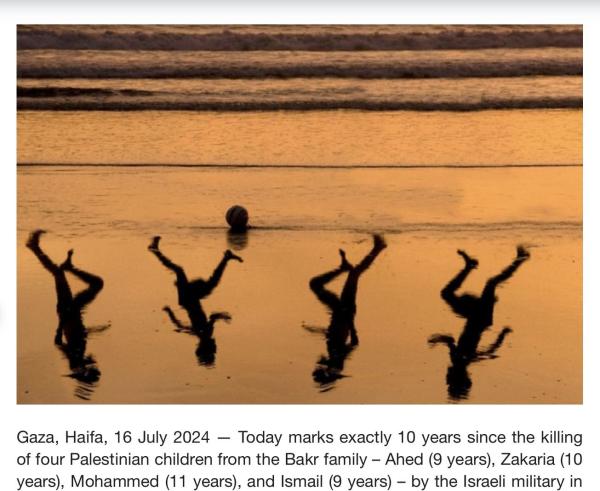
x=266 y=354
x=303 y=216
x=427 y=139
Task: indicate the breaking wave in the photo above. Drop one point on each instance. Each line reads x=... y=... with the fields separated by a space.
x=49 y=92
x=43 y=102
x=305 y=38
x=367 y=68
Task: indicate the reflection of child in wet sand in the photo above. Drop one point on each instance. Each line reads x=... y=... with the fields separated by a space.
x=479 y=313
x=71 y=334
x=343 y=311
x=189 y=293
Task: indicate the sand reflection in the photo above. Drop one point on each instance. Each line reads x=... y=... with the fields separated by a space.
x=189 y=294
x=479 y=313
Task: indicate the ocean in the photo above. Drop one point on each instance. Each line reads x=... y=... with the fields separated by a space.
x=437 y=137
x=305 y=68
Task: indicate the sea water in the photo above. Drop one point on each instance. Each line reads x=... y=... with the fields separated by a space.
x=327 y=135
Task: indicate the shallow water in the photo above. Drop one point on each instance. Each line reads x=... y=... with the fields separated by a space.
x=125 y=200
x=267 y=354
x=316 y=138
x=318 y=67
x=341 y=37
x=301 y=93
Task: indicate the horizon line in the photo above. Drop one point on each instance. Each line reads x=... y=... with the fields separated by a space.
x=298 y=166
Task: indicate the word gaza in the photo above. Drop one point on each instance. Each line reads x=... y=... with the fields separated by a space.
x=70 y=437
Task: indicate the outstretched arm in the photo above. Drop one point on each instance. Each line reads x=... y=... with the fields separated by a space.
x=96 y=329
x=495 y=346
x=214 y=317
x=315 y=329
x=176 y=322
x=443 y=339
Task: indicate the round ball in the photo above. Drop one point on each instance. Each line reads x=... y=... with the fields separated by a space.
x=237 y=217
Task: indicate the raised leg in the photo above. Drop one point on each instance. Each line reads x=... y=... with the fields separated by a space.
x=166 y=262
x=204 y=288
x=378 y=246
x=449 y=291
x=490 y=287
x=64 y=296
x=94 y=282
x=317 y=285
x=348 y=296
x=33 y=243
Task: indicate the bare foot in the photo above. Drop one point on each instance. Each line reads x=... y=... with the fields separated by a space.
x=68 y=264
x=154 y=244
x=470 y=262
x=379 y=242
x=522 y=252
x=34 y=238
x=345 y=264
x=230 y=255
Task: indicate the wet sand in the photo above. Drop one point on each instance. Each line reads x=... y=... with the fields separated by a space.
x=266 y=354
x=147 y=201
x=514 y=137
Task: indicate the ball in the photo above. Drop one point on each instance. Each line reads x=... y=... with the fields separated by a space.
x=237 y=217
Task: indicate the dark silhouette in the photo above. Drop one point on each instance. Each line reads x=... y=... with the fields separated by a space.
x=189 y=294
x=343 y=310
x=479 y=313
x=71 y=333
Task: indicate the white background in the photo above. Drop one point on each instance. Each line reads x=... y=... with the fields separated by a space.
x=225 y=419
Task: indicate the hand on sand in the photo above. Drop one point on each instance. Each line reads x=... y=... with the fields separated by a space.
x=470 y=262
x=522 y=253
x=154 y=244
x=34 y=238
x=230 y=255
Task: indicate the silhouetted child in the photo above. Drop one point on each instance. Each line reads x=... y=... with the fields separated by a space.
x=189 y=294
x=71 y=333
x=479 y=313
x=341 y=334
